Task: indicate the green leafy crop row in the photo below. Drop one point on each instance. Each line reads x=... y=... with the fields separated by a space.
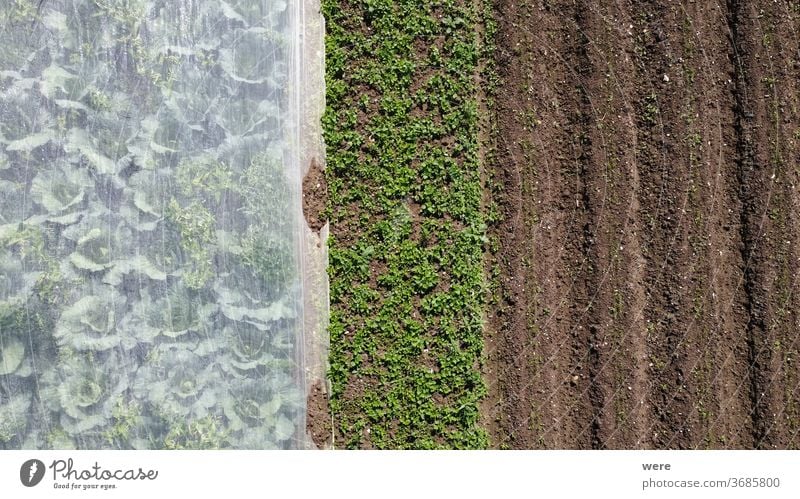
x=408 y=233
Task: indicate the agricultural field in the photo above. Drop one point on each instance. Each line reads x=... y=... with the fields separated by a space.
x=563 y=224
x=528 y=224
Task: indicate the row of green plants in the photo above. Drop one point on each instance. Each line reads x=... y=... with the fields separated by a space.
x=408 y=226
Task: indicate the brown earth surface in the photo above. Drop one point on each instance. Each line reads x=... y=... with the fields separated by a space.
x=648 y=152
x=318 y=419
x=315 y=196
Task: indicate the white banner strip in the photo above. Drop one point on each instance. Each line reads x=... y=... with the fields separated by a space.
x=415 y=474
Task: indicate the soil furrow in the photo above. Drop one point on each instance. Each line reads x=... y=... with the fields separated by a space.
x=749 y=227
x=665 y=225
x=585 y=277
x=533 y=412
x=608 y=317
x=766 y=99
x=718 y=301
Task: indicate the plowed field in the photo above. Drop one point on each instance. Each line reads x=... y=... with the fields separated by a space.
x=648 y=152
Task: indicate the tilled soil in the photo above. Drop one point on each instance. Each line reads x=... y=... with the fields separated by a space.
x=648 y=152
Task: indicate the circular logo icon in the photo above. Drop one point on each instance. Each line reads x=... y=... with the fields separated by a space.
x=31 y=472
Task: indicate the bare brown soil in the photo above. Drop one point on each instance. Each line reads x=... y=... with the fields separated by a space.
x=648 y=152
x=315 y=196
x=318 y=418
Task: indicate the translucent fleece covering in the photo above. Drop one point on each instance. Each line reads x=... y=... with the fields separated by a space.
x=159 y=287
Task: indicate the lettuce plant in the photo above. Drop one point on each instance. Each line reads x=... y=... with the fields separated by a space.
x=83 y=388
